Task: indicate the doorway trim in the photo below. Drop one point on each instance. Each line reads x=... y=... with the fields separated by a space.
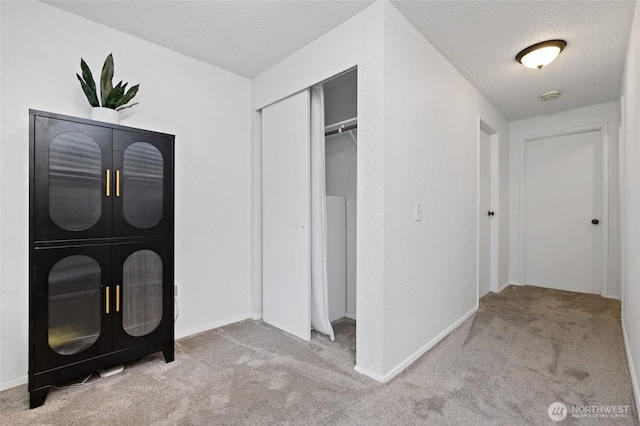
x=494 y=232
x=604 y=218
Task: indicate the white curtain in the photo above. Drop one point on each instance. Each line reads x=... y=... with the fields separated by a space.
x=319 y=286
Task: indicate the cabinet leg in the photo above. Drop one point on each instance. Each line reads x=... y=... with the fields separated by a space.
x=168 y=352
x=37 y=397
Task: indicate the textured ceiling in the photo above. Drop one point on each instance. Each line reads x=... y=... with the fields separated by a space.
x=480 y=38
x=244 y=37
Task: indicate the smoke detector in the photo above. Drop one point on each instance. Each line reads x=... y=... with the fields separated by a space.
x=550 y=96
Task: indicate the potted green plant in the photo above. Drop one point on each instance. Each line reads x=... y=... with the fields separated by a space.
x=112 y=99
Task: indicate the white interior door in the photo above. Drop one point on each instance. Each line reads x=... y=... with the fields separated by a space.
x=563 y=184
x=286 y=293
x=484 y=222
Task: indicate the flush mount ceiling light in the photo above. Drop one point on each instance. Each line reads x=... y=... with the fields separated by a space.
x=541 y=54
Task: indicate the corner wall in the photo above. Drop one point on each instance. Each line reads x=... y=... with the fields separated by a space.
x=630 y=203
x=431 y=156
x=416 y=281
x=208 y=110
x=602 y=113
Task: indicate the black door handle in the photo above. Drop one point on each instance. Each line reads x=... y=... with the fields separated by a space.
x=491 y=213
x=595 y=221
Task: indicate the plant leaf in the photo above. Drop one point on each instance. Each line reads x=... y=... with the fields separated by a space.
x=90 y=93
x=106 y=85
x=125 y=107
x=114 y=96
x=111 y=98
x=129 y=95
x=87 y=75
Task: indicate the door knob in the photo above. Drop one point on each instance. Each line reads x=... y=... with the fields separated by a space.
x=595 y=221
x=491 y=213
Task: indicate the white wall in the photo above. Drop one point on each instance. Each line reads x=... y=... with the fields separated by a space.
x=341 y=165
x=431 y=128
x=630 y=205
x=602 y=113
x=357 y=42
x=20 y=374
x=208 y=110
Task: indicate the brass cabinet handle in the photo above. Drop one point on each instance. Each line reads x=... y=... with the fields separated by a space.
x=117 y=183
x=108 y=189
x=107 y=298
x=118 y=298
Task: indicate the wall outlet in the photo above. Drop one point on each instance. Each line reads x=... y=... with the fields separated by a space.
x=418 y=211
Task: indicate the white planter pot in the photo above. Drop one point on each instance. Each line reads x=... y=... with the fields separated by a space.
x=106 y=115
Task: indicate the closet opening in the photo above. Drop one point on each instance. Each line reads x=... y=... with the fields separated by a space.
x=341 y=145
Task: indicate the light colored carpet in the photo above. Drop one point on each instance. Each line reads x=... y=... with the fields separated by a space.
x=524 y=349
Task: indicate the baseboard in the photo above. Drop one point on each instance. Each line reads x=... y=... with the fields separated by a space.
x=255 y=317
x=505 y=285
x=211 y=326
x=350 y=316
x=14 y=383
x=407 y=362
x=371 y=374
x=613 y=296
x=632 y=369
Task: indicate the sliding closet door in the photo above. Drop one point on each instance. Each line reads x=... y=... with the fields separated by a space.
x=286 y=293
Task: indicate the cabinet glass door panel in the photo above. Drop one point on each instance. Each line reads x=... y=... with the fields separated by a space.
x=75 y=181
x=142 y=185
x=144 y=273
x=69 y=304
x=74 y=304
x=143 y=204
x=72 y=192
x=142 y=283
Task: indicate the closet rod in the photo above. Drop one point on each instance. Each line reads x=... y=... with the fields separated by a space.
x=341 y=130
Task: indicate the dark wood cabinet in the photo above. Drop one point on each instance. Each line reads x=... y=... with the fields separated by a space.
x=101 y=247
